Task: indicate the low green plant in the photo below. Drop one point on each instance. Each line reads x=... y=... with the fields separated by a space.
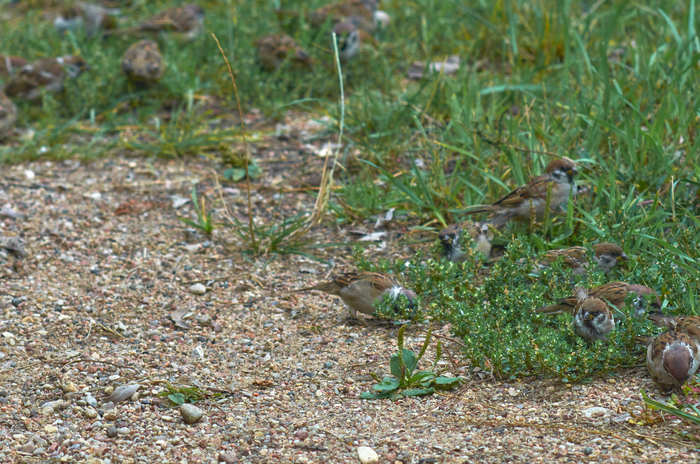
x=203 y=222
x=685 y=410
x=180 y=394
x=405 y=379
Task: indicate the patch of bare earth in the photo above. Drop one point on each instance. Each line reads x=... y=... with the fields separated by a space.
x=105 y=297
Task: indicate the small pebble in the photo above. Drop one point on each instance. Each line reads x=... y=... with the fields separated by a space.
x=367 y=455
x=198 y=289
x=123 y=392
x=111 y=431
x=190 y=413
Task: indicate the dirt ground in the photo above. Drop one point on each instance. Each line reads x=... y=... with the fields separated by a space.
x=106 y=296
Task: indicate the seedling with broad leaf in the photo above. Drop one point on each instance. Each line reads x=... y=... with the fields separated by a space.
x=406 y=380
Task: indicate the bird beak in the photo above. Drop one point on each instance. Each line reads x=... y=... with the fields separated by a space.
x=622 y=257
x=588 y=317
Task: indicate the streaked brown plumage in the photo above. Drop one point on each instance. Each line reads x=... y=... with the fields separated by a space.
x=142 y=62
x=451 y=236
x=687 y=324
x=593 y=319
x=44 y=75
x=672 y=358
x=614 y=293
x=10 y=64
x=275 y=49
x=606 y=255
x=361 y=291
x=91 y=16
x=531 y=199
x=339 y=11
x=186 y=21
x=8 y=115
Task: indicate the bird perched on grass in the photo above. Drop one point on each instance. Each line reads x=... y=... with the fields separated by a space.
x=143 y=63
x=362 y=291
x=530 y=201
x=91 y=16
x=8 y=116
x=44 y=75
x=593 y=319
x=606 y=256
x=614 y=293
x=353 y=21
x=275 y=49
x=10 y=64
x=451 y=237
x=186 y=21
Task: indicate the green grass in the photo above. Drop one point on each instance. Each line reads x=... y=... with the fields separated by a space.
x=538 y=78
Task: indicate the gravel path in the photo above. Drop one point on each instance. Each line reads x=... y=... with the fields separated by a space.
x=108 y=296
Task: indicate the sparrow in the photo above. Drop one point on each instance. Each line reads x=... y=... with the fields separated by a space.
x=606 y=255
x=46 y=74
x=8 y=115
x=672 y=358
x=593 y=319
x=143 y=63
x=451 y=236
x=361 y=291
x=275 y=49
x=10 y=64
x=689 y=325
x=363 y=10
x=613 y=293
x=557 y=183
x=89 y=15
x=187 y=21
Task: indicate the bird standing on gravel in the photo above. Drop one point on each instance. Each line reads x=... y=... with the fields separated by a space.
x=672 y=358
x=362 y=291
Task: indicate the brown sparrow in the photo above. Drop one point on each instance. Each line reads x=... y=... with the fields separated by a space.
x=335 y=12
x=10 y=64
x=46 y=74
x=689 y=325
x=91 y=16
x=361 y=291
x=614 y=293
x=275 y=49
x=672 y=358
x=531 y=199
x=143 y=63
x=606 y=255
x=593 y=319
x=187 y=21
x=451 y=236
x=8 y=115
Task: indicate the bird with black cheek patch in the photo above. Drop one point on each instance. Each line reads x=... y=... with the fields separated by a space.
x=593 y=319
x=185 y=21
x=614 y=293
x=362 y=291
x=606 y=255
x=530 y=201
x=451 y=237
